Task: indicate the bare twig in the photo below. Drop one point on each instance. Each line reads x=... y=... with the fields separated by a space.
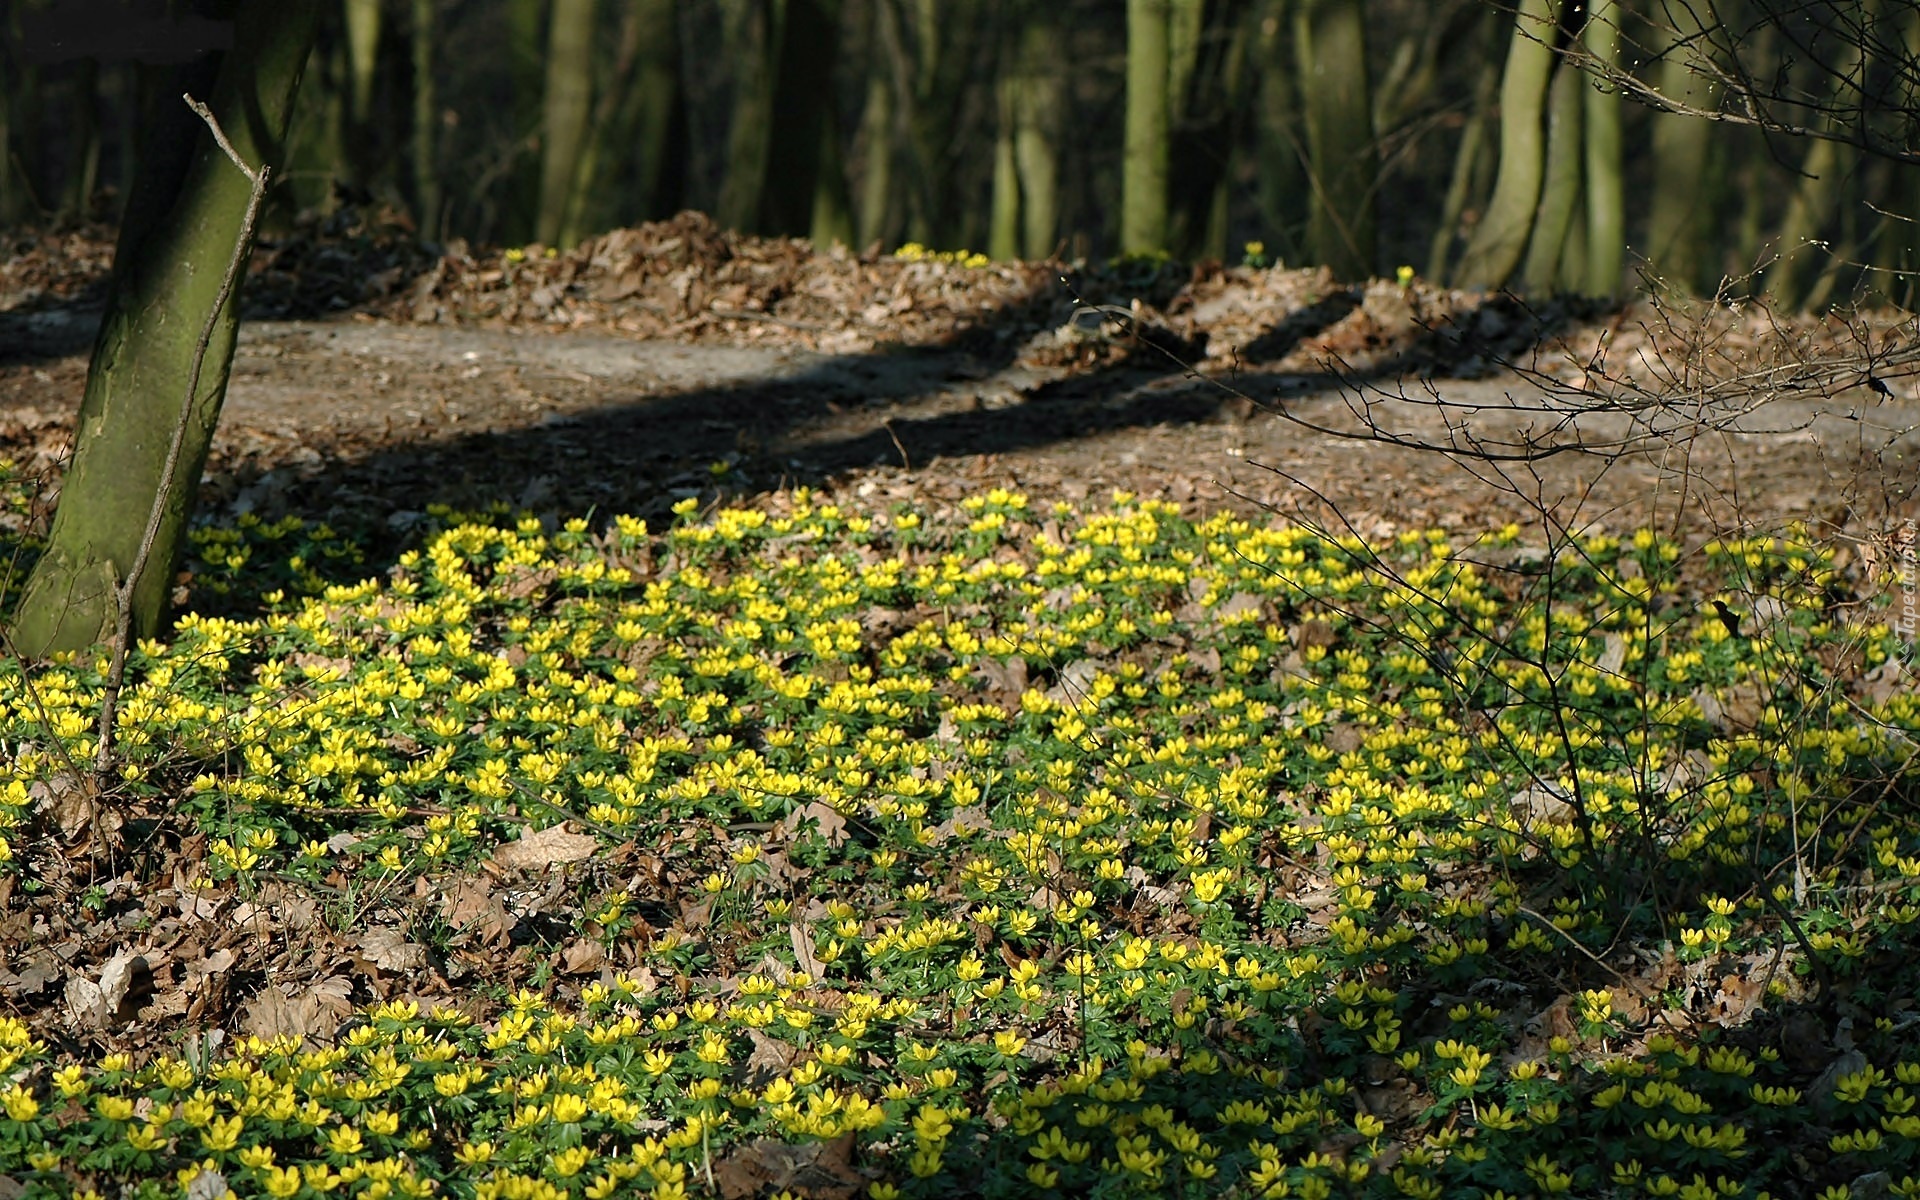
x=123 y=590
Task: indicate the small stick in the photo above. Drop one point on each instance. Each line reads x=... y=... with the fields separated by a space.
x=123 y=591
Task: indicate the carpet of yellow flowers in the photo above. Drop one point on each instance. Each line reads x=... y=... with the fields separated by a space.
x=1020 y=849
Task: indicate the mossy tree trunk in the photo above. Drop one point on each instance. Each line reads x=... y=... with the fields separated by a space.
x=426 y=120
x=635 y=162
x=1560 y=184
x=363 y=135
x=1025 y=210
x=752 y=33
x=526 y=76
x=803 y=170
x=1606 y=204
x=1802 y=256
x=564 y=121
x=1143 y=179
x=1679 y=242
x=168 y=269
x=1330 y=52
x=1466 y=160
x=1501 y=236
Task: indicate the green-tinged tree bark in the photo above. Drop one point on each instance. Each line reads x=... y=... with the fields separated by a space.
x=1679 y=241
x=877 y=208
x=1501 y=236
x=635 y=161
x=1003 y=207
x=569 y=102
x=426 y=118
x=752 y=33
x=167 y=273
x=801 y=164
x=1039 y=108
x=1466 y=162
x=1605 y=197
x=83 y=172
x=1024 y=211
x=526 y=74
x=363 y=21
x=1212 y=78
x=1789 y=281
x=1330 y=50
x=1281 y=181
x=1143 y=180
x=1560 y=184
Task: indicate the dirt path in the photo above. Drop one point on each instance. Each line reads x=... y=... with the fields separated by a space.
x=370 y=421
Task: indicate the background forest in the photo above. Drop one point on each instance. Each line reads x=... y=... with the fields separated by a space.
x=1477 y=143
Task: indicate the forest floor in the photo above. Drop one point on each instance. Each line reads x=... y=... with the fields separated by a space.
x=374 y=380
x=677 y=359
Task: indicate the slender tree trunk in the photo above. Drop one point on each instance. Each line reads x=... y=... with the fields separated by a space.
x=1802 y=257
x=1679 y=243
x=1209 y=69
x=1330 y=48
x=569 y=102
x=526 y=73
x=167 y=274
x=752 y=34
x=1605 y=199
x=363 y=20
x=1024 y=210
x=1003 y=208
x=426 y=167
x=640 y=147
x=878 y=129
x=1466 y=162
x=802 y=125
x=1560 y=186
x=83 y=172
x=1278 y=155
x=1501 y=236
x=1143 y=195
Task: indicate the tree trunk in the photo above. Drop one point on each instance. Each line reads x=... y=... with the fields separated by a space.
x=569 y=102
x=752 y=34
x=1678 y=240
x=1606 y=235
x=1003 y=207
x=1789 y=282
x=167 y=273
x=83 y=169
x=1278 y=159
x=1143 y=194
x=526 y=74
x=801 y=124
x=426 y=168
x=1501 y=236
x=1466 y=163
x=1024 y=210
x=1560 y=187
x=363 y=61
x=1210 y=73
x=1330 y=48
x=878 y=131
x=1039 y=107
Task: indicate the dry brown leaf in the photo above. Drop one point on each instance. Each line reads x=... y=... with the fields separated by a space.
x=314 y=1013
x=764 y=1166
x=832 y=825
x=804 y=957
x=582 y=957
x=475 y=910
x=388 y=948
x=536 y=849
x=125 y=980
